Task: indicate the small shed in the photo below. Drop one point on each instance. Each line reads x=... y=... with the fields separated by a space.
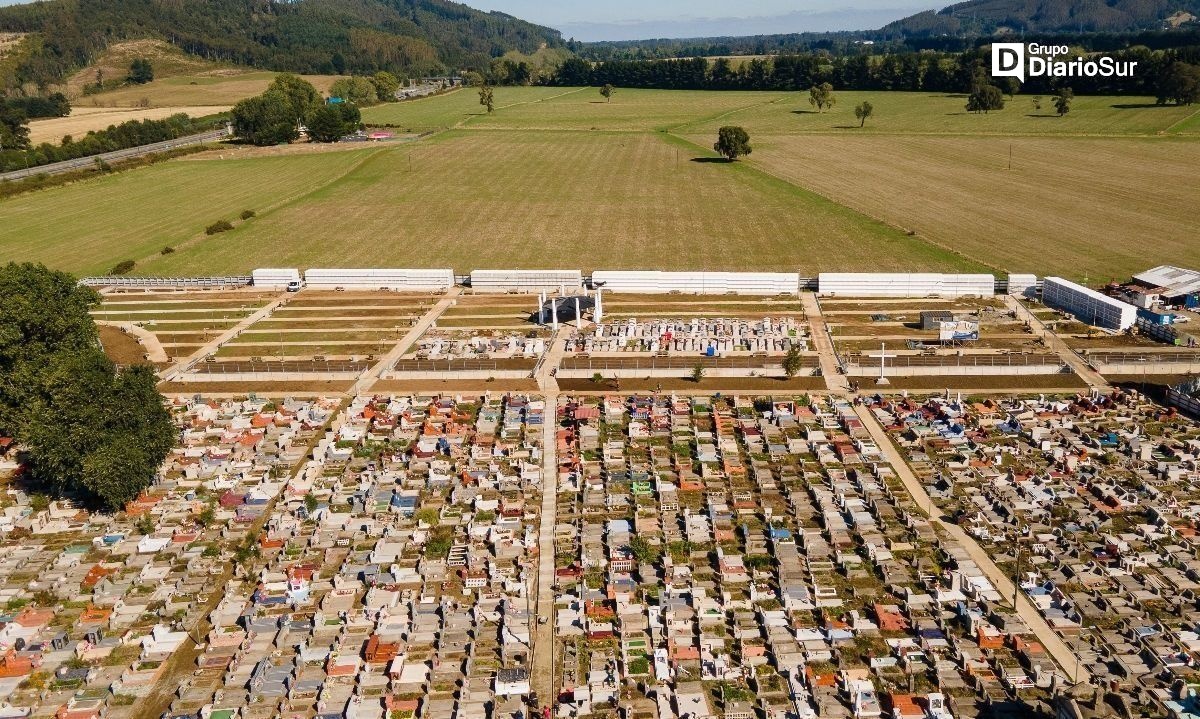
x=933 y=319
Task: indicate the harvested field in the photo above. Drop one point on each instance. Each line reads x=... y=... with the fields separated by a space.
x=220 y=87
x=1048 y=215
x=86 y=119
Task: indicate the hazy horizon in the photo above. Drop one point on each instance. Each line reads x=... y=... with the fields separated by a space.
x=635 y=20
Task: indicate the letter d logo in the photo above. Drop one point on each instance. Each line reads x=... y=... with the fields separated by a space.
x=1008 y=60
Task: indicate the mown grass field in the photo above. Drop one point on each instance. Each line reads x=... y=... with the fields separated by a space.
x=921 y=113
x=554 y=199
x=556 y=177
x=1086 y=208
x=89 y=226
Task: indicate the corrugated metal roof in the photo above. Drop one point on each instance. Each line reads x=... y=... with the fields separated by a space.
x=1176 y=280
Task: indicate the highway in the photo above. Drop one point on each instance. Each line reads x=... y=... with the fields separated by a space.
x=55 y=168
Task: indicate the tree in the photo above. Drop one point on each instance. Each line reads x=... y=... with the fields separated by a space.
x=330 y=123
x=360 y=91
x=386 y=84
x=14 y=128
x=267 y=119
x=732 y=142
x=1062 y=101
x=1037 y=103
x=1180 y=84
x=1010 y=86
x=88 y=429
x=793 y=362
x=985 y=98
x=486 y=97
x=863 y=111
x=140 y=71
x=298 y=93
x=821 y=96
x=642 y=550
x=698 y=373
x=607 y=91
x=310 y=503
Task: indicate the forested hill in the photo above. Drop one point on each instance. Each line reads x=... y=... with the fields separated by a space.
x=308 y=36
x=985 y=17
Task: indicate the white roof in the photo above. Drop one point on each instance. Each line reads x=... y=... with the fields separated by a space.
x=1177 y=280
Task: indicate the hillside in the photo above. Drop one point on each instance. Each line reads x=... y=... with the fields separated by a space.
x=986 y=17
x=409 y=37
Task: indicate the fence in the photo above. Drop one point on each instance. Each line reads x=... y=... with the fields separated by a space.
x=280 y=367
x=860 y=365
x=462 y=365
x=168 y=282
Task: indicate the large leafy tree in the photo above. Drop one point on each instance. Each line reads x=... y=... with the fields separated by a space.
x=732 y=142
x=89 y=429
x=330 y=123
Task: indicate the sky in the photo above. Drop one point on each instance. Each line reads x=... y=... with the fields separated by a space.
x=643 y=19
x=592 y=20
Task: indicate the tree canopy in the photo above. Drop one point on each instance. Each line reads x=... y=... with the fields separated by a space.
x=140 y=71
x=90 y=430
x=332 y=122
x=732 y=142
x=821 y=96
x=274 y=117
x=1180 y=84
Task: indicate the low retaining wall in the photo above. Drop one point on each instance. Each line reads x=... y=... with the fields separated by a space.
x=265 y=376
x=461 y=374
x=1138 y=368
x=955 y=370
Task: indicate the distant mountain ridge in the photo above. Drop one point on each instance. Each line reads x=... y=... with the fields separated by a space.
x=309 y=36
x=989 y=17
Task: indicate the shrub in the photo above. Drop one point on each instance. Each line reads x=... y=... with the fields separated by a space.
x=218 y=227
x=168 y=250
x=247 y=214
x=122 y=267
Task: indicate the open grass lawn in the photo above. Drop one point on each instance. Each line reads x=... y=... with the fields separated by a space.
x=923 y=113
x=558 y=178
x=557 y=199
x=1095 y=208
x=88 y=227
x=455 y=107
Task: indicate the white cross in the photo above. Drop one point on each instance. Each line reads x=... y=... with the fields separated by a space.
x=883 y=358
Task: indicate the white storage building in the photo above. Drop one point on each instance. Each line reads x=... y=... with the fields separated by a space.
x=382 y=279
x=274 y=278
x=526 y=280
x=1088 y=305
x=904 y=284
x=699 y=283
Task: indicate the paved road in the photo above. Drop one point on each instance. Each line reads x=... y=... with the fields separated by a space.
x=823 y=344
x=544 y=644
x=1049 y=638
x=1056 y=344
x=56 y=168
